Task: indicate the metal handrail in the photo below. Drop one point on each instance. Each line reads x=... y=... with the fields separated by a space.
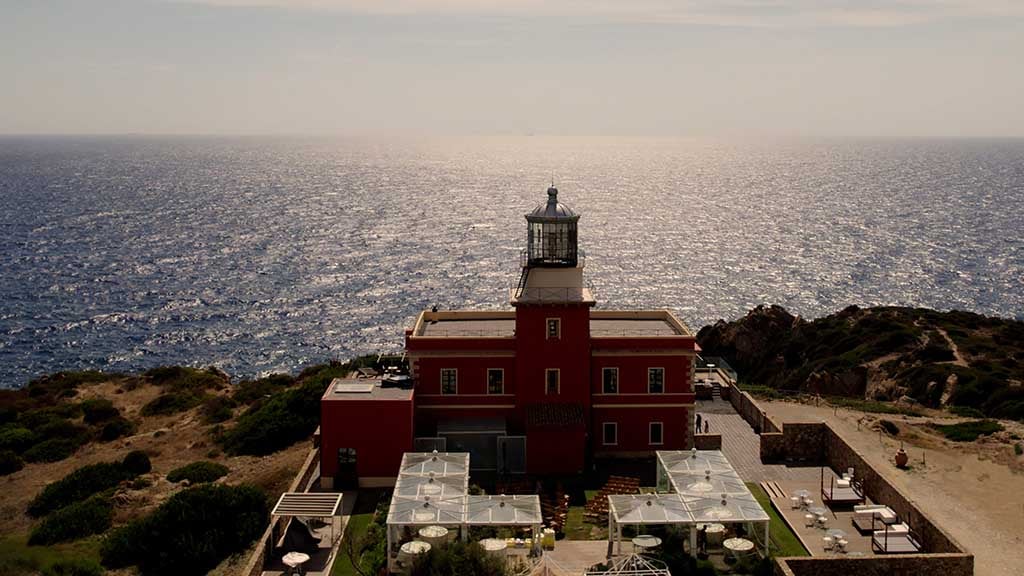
x=524 y=257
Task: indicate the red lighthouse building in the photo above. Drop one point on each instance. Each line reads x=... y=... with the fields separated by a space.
x=542 y=388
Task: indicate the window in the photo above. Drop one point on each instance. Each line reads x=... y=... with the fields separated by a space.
x=610 y=433
x=554 y=328
x=610 y=380
x=655 y=380
x=495 y=381
x=551 y=384
x=655 y=434
x=449 y=381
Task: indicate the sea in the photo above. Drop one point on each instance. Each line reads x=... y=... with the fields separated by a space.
x=266 y=254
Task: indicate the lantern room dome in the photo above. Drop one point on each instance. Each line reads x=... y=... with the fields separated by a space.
x=552 y=209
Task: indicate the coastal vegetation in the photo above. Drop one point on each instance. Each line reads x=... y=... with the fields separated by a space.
x=198 y=472
x=969 y=431
x=78 y=520
x=967 y=363
x=87 y=481
x=191 y=532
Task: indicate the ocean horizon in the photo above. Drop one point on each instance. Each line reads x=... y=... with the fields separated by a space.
x=258 y=254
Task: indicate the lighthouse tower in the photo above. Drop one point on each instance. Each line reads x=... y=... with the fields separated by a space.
x=552 y=327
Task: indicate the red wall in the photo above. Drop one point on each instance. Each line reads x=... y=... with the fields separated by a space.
x=472 y=373
x=633 y=428
x=633 y=373
x=555 y=450
x=380 y=431
x=570 y=353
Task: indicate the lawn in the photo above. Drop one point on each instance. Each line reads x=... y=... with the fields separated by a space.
x=358 y=522
x=784 y=540
x=579 y=528
x=17 y=557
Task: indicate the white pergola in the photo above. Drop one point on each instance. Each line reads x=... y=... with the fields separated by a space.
x=633 y=565
x=432 y=490
x=702 y=487
x=308 y=505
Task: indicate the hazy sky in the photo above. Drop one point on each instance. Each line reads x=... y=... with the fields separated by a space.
x=614 y=67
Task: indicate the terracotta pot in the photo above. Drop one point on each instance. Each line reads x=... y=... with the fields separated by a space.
x=901 y=458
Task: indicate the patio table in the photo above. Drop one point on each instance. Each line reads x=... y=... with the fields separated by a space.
x=295 y=560
x=836 y=533
x=818 y=510
x=738 y=546
x=646 y=542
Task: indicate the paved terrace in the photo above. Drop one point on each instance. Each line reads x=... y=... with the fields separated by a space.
x=498 y=324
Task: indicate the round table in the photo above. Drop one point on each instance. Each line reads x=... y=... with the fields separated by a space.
x=714 y=531
x=835 y=533
x=646 y=542
x=434 y=535
x=495 y=546
x=738 y=545
x=801 y=493
x=295 y=560
x=817 y=510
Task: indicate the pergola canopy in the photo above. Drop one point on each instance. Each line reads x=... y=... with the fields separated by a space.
x=649 y=509
x=633 y=565
x=436 y=463
x=425 y=510
x=413 y=485
x=308 y=504
x=502 y=510
x=729 y=508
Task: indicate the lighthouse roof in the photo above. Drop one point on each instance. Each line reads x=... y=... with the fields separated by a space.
x=552 y=209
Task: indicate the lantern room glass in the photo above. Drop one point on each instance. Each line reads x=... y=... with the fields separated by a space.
x=552 y=243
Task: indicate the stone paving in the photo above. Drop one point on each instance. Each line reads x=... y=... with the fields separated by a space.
x=742 y=446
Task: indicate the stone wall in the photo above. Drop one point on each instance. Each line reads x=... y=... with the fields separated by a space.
x=895 y=565
x=876 y=487
x=746 y=407
x=707 y=441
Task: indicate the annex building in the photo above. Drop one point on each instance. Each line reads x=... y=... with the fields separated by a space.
x=542 y=388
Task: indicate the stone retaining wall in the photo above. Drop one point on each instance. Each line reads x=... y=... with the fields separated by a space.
x=707 y=441
x=818 y=444
x=896 y=565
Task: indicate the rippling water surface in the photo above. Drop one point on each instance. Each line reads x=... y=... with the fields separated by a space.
x=260 y=254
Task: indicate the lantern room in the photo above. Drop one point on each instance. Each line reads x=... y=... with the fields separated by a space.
x=551 y=237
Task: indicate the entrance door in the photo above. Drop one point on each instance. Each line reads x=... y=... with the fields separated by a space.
x=512 y=454
x=347 y=477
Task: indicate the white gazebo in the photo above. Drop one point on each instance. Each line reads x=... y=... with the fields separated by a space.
x=632 y=565
x=698 y=487
x=642 y=510
x=432 y=490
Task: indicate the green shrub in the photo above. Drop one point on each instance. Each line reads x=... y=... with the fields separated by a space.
x=74 y=521
x=96 y=410
x=136 y=462
x=140 y=483
x=52 y=450
x=1018 y=449
x=217 y=409
x=456 y=559
x=64 y=384
x=249 y=391
x=17 y=439
x=76 y=567
x=191 y=532
x=282 y=420
x=969 y=431
x=10 y=462
x=60 y=428
x=116 y=428
x=967 y=411
x=181 y=378
x=85 y=482
x=198 y=472
x=171 y=403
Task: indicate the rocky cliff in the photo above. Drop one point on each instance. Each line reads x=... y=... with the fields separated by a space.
x=885 y=353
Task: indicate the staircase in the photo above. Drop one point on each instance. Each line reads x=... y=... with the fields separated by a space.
x=716 y=390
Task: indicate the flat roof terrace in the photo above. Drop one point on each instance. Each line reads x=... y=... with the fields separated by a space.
x=502 y=324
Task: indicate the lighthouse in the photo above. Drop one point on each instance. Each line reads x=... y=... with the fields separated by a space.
x=550 y=386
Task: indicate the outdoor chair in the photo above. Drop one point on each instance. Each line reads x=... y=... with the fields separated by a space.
x=809 y=520
x=794 y=502
x=828 y=541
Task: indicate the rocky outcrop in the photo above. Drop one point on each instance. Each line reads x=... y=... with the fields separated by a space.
x=936 y=358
